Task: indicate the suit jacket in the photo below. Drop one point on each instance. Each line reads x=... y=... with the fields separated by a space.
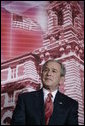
x=30 y=110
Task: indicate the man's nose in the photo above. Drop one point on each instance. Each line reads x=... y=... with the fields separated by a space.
x=49 y=73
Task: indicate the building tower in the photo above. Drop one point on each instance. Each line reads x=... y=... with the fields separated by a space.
x=64 y=40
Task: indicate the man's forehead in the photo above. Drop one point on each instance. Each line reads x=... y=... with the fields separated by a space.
x=53 y=65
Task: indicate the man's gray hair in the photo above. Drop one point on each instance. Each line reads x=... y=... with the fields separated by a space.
x=63 y=69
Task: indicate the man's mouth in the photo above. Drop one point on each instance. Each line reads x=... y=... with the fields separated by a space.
x=48 y=79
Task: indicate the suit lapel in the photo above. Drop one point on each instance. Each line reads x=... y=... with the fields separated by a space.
x=40 y=104
x=58 y=110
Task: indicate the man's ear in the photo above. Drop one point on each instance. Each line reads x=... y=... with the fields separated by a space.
x=62 y=79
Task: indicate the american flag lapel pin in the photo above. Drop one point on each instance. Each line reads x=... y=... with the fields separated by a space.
x=60 y=103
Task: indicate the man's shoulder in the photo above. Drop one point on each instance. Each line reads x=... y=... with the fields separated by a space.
x=67 y=98
x=29 y=93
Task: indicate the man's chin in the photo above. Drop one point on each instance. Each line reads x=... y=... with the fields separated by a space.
x=48 y=83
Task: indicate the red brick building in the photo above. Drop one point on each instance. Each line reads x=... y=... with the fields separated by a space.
x=64 y=41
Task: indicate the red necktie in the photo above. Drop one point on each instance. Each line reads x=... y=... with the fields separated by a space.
x=48 y=108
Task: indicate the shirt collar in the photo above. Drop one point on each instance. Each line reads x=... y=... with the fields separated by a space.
x=45 y=91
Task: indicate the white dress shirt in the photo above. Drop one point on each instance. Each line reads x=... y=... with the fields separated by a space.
x=46 y=92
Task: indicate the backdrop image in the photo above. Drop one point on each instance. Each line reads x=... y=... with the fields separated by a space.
x=33 y=32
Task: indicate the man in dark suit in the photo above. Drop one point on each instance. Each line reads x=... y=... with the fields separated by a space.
x=30 y=108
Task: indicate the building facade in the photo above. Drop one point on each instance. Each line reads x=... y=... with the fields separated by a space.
x=64 y=41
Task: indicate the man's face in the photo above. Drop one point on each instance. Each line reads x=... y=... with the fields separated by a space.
x=51 y=75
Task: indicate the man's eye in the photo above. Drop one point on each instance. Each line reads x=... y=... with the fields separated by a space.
x=54 y=71
x=45 y=70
